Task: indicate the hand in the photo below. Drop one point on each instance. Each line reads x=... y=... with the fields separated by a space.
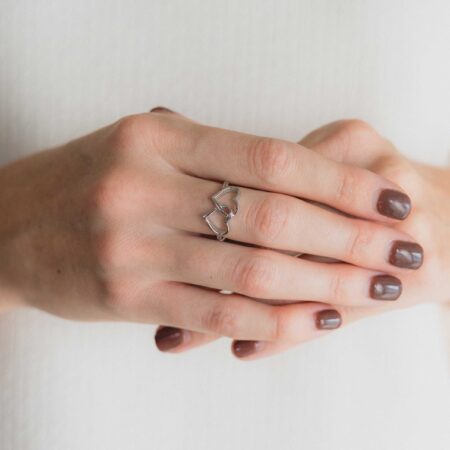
x=356 y=143
x=110 y=227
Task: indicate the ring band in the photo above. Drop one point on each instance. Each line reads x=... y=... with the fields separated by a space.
x=226 y=211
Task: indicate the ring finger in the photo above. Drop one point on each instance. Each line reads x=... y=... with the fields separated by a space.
x=283 y=222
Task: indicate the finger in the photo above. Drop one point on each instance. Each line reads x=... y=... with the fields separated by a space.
x=265 y=274
x=280 y=166
x=166 y=111
x=357 y=143
x=348 y=141
x=286 y=223
x=161 y=109
x=177 y=340
x=316 y=322
x=202 y=310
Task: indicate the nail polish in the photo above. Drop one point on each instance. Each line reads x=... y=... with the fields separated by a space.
x=394 y=204
x=328 y=319
x=385 y=287
x=167 y=338
x=407 y=255
x=241 y=349
x=161 y=109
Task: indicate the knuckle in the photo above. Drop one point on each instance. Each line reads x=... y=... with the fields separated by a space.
x=344 y=138
x=268 y=218
x=355 y=129
x=223 y=319
x=359 y=241
x=253 y=276
x=135 y=133
x=285 y=326
x=356 y=126
x=337 y=287
x=129 y=129
x=280 y=328
x=347 y=184
x=269 y=159
x=354 y=136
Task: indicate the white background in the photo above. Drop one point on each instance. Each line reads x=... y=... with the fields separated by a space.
x=275 y=68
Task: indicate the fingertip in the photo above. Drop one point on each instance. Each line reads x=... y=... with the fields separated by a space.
x=168 y=339
x=328 y=319
x=245 y=349
x=161 y=109
x=394 y=204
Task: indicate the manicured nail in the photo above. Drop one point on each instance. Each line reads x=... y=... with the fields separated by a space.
x=408 y=255
x=241 y=349
x=167 y=338
x=385 y=287
x=329 y=319
x=160 y=109
x=394 y=204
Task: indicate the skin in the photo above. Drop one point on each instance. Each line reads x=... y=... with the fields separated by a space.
x=110 y=227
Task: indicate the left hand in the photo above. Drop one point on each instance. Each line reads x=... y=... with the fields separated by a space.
x=357 y=143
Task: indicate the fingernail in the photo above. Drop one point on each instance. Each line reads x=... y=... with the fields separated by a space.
x=408 y=255
x=394 y=204
x=160 y=109
x=385 y=287
x=329 y=319
x=241 y=349
x=167 y=338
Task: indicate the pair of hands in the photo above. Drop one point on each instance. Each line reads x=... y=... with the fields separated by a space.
x=110 y=227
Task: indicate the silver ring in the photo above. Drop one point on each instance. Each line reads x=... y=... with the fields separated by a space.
x=227 y=212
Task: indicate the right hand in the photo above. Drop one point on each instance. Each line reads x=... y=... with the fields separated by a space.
x=110 y=227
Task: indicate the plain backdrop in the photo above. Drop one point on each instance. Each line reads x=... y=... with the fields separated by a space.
x=276 y=68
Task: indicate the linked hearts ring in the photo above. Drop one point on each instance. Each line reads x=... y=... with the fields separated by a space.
x=224 y=212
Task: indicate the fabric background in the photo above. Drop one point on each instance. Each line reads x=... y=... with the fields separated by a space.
x=277 y=68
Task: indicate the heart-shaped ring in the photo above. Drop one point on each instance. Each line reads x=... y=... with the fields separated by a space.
x=227 y=211
x=234 y=206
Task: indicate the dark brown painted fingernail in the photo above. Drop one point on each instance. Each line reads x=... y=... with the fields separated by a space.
x=328 y=319
x=394 y=204
x=160 y=109
x=408 y=255
x=241 y=349
x=167 y=338
x=385 y=287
